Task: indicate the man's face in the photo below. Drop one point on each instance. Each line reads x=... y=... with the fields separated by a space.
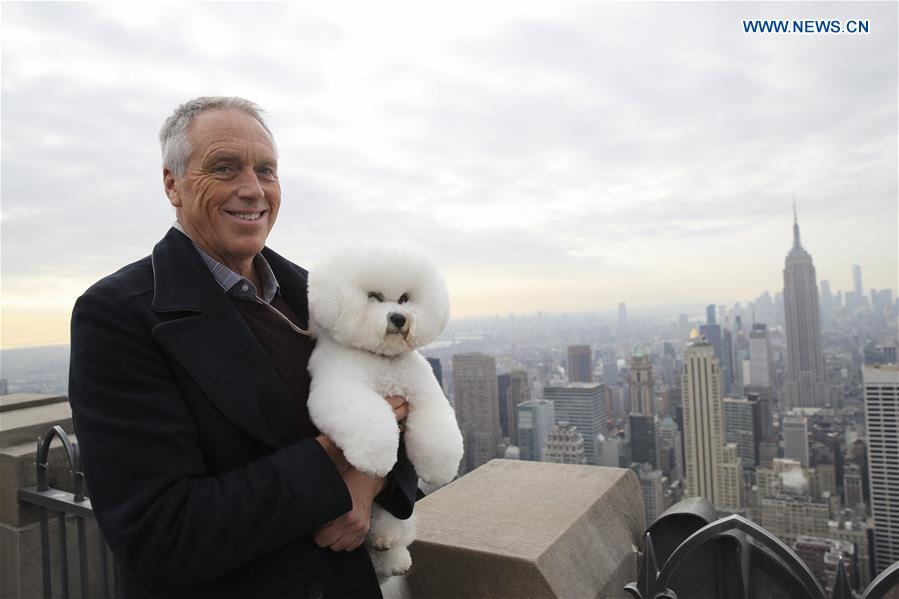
x=229 y=196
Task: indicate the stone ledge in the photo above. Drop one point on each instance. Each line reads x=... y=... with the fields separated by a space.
x=527 y=529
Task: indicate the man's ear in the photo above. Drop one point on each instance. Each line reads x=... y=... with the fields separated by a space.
x=172 y=187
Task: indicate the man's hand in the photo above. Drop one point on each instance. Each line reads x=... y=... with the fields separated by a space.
x=348 y=531
x=400 y=409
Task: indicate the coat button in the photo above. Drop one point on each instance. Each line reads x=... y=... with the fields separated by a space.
x=316 y=591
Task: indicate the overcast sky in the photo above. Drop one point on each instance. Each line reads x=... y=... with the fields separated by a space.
x=554 y=156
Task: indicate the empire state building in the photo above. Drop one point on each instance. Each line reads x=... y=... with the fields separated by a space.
x=805 y=385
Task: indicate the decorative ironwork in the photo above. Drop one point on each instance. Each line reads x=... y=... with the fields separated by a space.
x=64 y=504
x=731 y=557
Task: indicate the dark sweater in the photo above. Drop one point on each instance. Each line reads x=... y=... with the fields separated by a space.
x=288 y=349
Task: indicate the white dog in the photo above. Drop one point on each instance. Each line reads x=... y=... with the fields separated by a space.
x=370 y=308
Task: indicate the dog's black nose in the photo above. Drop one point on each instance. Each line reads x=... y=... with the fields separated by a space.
x=396 y=319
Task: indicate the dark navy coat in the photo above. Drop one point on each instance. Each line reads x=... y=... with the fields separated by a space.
x=196 y=469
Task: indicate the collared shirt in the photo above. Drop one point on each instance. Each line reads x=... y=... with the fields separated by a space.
x=235 y=284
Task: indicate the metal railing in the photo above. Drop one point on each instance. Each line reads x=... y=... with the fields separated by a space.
x=63 y=504
x=688 y=553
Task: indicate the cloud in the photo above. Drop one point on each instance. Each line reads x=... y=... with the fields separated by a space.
x=636 y=143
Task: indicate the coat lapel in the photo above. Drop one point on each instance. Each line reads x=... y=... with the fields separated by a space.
x=203 y=330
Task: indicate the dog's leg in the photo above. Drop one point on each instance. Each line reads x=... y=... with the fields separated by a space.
x=388 y=531
x=432 y=437
x=359 y=421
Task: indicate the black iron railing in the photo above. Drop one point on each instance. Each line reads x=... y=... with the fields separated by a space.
x=688 y=553
x=63 y=505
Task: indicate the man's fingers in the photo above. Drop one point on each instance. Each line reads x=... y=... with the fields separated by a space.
x=395 y=401
x=325 y=536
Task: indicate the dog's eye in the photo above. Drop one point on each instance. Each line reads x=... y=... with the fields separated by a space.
x=374 y=295
x=403 y=299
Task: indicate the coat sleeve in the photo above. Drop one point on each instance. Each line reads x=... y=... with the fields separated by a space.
x=400 y=492
x=170 y=522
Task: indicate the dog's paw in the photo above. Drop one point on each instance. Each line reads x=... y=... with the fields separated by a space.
x=395 y=561
x=372 y=462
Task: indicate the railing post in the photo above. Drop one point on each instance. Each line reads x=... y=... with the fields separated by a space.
x=63 y=554
x=42 y=487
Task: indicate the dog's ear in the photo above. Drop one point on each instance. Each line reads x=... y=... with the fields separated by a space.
x=325 y=300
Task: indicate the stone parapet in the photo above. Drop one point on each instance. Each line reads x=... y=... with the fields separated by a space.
x=526 y=529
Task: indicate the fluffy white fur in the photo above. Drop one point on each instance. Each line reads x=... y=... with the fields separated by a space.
x=362 y=356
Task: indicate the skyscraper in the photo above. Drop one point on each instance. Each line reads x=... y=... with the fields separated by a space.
x=519 y=391
x=645 y=441
x=711 y=330
x=584 y=406
x=502 y=396
x=642 y=394
x=857 y=283
x=610 y=368
x=535 y=421
x=477 y=407
x=703 y=421
x=806 y=383
x=743 y=426
x=580 y=364
x=761 y=359
x=881 y=383
x=796 y=439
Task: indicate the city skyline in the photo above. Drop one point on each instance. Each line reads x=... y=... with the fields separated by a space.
x=550 y=161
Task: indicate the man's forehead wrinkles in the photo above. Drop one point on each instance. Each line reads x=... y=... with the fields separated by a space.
x=239 y=150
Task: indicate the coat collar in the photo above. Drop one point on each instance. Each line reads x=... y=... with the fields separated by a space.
x=200 y=321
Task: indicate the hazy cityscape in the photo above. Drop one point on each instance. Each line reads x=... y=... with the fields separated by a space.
x=782 y=408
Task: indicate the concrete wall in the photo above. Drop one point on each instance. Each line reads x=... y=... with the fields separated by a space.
x=526 y=529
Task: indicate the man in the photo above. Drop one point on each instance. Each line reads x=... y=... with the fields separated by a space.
x=188 y=385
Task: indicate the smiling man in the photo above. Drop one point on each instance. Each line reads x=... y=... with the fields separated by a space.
x=188 y=386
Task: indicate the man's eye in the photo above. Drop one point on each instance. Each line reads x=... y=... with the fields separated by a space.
x=222 y=169
x=266 y=170
x=403 y=299
x=374 y=295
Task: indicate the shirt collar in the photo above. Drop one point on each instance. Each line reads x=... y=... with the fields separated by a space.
x=235 y=284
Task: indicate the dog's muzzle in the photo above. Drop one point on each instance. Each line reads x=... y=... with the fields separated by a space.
x=397 y=323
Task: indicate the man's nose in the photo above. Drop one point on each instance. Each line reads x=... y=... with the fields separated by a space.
x=249 y=185
x=396 y=319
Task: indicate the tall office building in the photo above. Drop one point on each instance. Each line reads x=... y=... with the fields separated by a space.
x=766 y=410
x=671 y=454
x=857 y=283
x=806 y=381
x=730 y=497
x=642 y=394
x=613 y=452
x=519 y=391
x=881 y=384
x=536 y=419
x=703 y=421
x=645 y=441
x=761 y=358
x=565 y=445
x=711 y=330
x=580 y=364
x=727 y=361
x=622 y=315
x=584 y=406
x=853 y=495
x=743 y=426
x=796 y=439
x=610 y=368
x=652 y=483
x=477 y=407
x=502 y=397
